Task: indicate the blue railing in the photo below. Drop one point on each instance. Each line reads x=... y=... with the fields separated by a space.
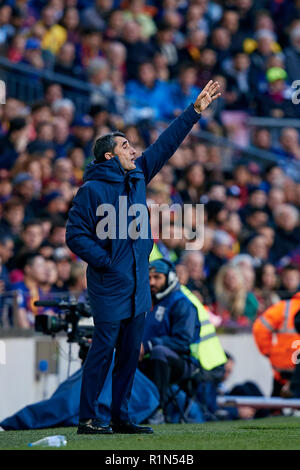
x=28 y=84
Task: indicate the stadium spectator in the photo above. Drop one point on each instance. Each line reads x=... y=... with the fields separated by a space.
x=63 y=265
x=245 y=263
x=258 y=249
x=194 y=264
x=292 y=56
x=233 y=302
x=277 y=100
x=138 y=10
x=290 y=281
x=13 y=216
x=287 y=231
x=65 y=62
x=29 y=290
x=267 y=283
x=184 y=90
x=149 y=97
x=31 y=237
x=219 y=255
x=193 y=183
x=14 y=143
x=77 y=279
x=95 y=17
x=6 y=249
x=289 y=143
x=138 y=49
x=55 y=35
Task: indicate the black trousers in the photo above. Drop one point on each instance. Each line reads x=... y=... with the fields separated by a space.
x=125 y=337
x=165 y=367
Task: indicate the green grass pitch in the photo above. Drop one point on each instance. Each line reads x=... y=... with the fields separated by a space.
x=280 y=433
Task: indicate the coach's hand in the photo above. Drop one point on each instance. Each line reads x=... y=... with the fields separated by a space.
x=209 y=93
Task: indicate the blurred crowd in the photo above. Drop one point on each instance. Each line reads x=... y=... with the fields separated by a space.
x=145 y=62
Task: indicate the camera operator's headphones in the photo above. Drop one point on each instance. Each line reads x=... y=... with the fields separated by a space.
x=170 y=273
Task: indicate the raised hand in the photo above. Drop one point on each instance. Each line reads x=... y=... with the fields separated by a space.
x=209 y=93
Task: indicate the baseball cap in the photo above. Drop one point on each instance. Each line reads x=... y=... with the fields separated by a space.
x=84 y=121
x=160 y=266
x=32 y=43
x=51 y=196
x=276 y=73
x=233 y=191
x=22 y=177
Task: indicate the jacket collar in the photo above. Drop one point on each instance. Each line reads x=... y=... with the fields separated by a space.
x=111 y=171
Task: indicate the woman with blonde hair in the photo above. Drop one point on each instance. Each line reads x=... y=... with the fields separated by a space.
x=234 y=303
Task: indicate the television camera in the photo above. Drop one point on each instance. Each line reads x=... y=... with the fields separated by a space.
x=69 y=320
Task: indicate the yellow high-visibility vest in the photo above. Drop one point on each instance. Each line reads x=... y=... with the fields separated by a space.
x=155 y=253
x=208 y=350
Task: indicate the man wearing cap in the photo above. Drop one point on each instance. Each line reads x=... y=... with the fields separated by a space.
x=117 y=273
x=83 y=134
x=25 y=190
x=170 y=327
x=277 y=100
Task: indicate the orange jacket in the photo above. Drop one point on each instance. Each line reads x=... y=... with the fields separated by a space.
x=276 y=337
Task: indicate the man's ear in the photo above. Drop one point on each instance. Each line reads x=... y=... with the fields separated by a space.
x=108 y=155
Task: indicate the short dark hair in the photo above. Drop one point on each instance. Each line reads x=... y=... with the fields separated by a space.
x=28 y=258
x=105 y=143
x=31 y=223
x=4 y=238
x=291 y=267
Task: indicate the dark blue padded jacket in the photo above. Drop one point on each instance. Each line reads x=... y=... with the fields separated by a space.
x=117 y=273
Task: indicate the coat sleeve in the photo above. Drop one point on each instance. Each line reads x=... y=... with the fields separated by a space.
x=184 y=317
x=266 y=325
x=81 y=235
x=154 y=158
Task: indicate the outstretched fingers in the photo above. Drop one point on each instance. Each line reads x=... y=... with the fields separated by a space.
x=215 y=96
x=207 y=86
x=214 y=88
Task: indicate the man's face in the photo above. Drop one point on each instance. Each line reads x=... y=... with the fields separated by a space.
x=26 y=189
x=37 y=270
x=33 y=237
x=157 y=282
x=125 y=152
x=63 y=269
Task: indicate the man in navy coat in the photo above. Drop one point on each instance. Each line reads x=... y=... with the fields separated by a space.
x=117 y=273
